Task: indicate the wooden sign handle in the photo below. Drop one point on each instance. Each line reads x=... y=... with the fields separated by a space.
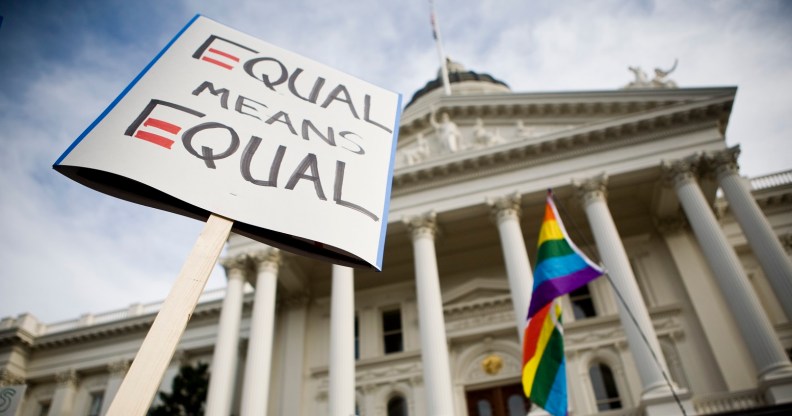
x=137 y=391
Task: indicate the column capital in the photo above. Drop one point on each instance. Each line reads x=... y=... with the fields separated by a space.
x=7 y=378
x=592 y=189
x=238 y=263
x=679 y=172
x=422 y=225
x=118 y=368
x=505 y=207
x=724 y=162
x=266 y=259
x=67 y=378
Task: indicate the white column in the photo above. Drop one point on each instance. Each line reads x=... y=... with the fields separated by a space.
x=762 y=341
x=63 y=400
x=117 y=372
x=618 y=268
x=255 y=388
x=764 y=243
x=293 y=364
x=434 y=346
x=342 y=343
x=224 y=359
x=506 y=213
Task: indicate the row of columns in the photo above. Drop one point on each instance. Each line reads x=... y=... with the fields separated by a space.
x=763 y=344
x=255 y=388
x=772 y=364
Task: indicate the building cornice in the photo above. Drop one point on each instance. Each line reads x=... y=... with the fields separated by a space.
x=572 y=105
x=131 y=325
x=601 y=136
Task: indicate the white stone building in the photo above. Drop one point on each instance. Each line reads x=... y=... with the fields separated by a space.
x=705 y=275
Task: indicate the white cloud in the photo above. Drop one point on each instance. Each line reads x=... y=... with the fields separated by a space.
x=68 y=250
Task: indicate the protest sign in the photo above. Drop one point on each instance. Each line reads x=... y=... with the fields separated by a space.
x=299 y=155
x=10 y=398
x=226 y=128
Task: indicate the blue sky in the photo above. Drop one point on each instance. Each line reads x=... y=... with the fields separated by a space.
x=66 y=250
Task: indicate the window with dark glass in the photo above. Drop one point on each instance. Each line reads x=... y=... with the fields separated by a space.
x=392 y=331
x=604 y=385
x=357 y=338
x=44 y=408
x=397 y=406
x=96 y=403
x=582 y=303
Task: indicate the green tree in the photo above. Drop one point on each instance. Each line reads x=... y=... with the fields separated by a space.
x=188 y=393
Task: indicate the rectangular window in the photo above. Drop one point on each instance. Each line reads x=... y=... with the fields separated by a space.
x=392 y=331
x=96 y=403
x=582 y=303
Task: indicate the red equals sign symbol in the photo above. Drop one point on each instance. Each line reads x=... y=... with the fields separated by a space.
x=156 y=138
x=216 y=56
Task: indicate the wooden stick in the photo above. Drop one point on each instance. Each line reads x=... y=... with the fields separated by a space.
x=137 y=391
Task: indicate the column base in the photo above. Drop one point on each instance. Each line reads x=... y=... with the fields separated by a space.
x=663 y=403
x=777 y=387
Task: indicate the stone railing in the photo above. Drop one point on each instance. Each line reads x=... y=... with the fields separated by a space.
x=769 y=181
x=134 y=310
x=728 y=402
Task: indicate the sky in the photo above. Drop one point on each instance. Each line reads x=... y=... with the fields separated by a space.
x=66 y=250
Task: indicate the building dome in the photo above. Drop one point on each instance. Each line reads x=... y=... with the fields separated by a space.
x=462 y=82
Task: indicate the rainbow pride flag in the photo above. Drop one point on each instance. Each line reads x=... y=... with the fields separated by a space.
x=560 y=268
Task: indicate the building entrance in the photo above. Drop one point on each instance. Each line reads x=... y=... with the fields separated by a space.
x=506 y=400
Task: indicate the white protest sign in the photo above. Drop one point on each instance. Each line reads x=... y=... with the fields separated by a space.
x=10 y=398
x=297 y=154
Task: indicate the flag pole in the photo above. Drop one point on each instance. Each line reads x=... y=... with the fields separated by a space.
x=440 y=53
x=141 y=382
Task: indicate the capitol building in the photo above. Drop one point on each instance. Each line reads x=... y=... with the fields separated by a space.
x=695 y=312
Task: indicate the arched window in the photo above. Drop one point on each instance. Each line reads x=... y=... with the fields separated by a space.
x=397 y=406
x=605 y=390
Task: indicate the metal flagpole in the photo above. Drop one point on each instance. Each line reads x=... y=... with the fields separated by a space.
x=440 y=53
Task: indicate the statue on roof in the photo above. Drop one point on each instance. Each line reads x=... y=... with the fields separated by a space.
x=641 y=80
x=660 y=80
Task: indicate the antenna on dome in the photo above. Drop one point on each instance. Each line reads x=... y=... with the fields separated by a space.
x=440 y=53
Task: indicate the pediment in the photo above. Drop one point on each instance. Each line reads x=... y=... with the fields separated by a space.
x=476 y=290
x=473 y=125
x=669 y=118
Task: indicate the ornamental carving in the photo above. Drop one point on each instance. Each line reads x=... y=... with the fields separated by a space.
x=422 y=225
x=67 y=378
x=724 y=162
x=592 y=189
x=505 y=207
x=492 y=364
x=266 y=259
x=447 y=131
x=118 y=368
x=477 y=319
x=508 y=366
x=680 y=172
x=238 y=263
x=7 y=378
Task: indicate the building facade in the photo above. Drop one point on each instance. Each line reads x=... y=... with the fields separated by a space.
x=695 y=312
